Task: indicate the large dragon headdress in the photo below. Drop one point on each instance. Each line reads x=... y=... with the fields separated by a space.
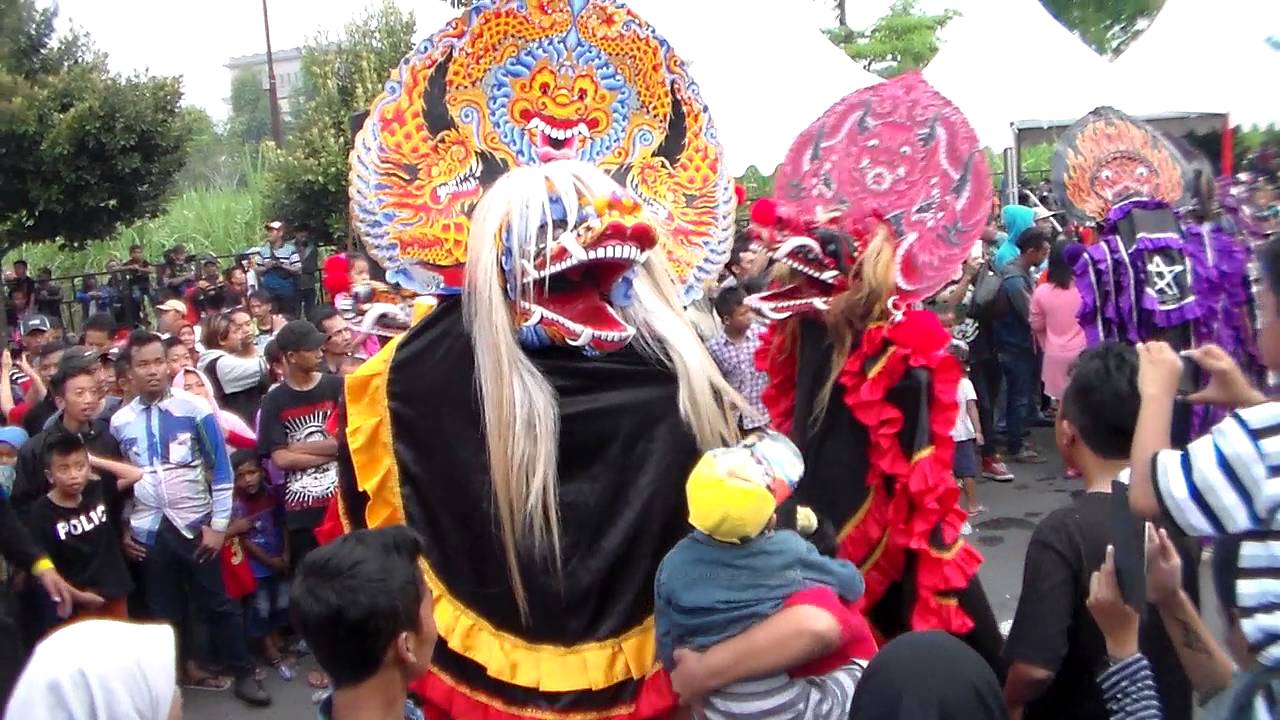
x=1107 y=157
x=525 y=82
x=892 y=171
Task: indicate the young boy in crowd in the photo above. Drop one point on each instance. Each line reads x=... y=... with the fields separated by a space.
x=967 y=435
x=1055 y=648
x=258 y=511
x=734 y=351
x=735 y=569
x=71 y=524
x=364 y=609
x=1224 y=485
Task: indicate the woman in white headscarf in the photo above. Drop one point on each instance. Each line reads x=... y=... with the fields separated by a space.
x=101 y=670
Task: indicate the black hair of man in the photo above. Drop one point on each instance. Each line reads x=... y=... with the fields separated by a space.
x=272 y=352
x=134 y=247
x=263 y=297
x=728 y=300
x=741 y=244
x=1101 y=400
x=101 y=322
x=23 y=263
x=1034 y=238
x=138 y=339
x=351 y=598
x=321 y=314
x=69 y=370
x=61 y=445
x=244 y=456
x=171 y=342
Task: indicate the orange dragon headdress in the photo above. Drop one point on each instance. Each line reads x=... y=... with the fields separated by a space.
x=526 y=82
x=1107 y=157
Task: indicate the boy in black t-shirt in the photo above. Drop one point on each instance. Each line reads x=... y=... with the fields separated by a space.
x=72 y=525
x=292 y=432
x=1055 y=649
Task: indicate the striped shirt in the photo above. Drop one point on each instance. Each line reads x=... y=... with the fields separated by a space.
x=782 y=697
x=290 y=263
x=1129 y=690
x=187 y=471
x=1228 y=483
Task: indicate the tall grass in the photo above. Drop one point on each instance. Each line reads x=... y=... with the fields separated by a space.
x=218 y=218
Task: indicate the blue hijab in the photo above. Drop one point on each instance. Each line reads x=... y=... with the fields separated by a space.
x=1017 y=218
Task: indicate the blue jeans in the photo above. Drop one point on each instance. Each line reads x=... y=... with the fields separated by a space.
x=1019 y=370
x=174 y=578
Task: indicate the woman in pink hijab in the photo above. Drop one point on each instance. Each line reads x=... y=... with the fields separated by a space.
x=238 y=434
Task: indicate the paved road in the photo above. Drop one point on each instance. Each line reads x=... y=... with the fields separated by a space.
x=1002 y=534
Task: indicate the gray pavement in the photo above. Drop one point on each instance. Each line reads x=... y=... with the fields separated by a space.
x=1001 y=534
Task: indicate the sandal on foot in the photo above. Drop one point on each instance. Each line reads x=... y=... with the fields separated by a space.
x=212 y=683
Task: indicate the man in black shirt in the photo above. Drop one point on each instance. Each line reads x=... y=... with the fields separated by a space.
x=21 y=280
x=48 y=297
x=38 y=413
x=293 y=433
x=1055 y=649
x=138 y=285
x=76 y=390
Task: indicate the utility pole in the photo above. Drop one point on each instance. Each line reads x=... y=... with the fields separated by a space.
x=277 y=132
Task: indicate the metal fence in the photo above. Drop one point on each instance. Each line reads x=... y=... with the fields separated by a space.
x=71 y=312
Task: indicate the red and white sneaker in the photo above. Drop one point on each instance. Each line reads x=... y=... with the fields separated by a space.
x=993 y=468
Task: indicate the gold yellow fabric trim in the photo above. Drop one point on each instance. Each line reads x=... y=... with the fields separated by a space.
x=859 y=515
x=921 y=454
x=884 y=360
x=550 y=668
x=520 y=711
x=875 y=554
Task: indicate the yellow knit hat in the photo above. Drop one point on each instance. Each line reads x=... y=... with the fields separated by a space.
x=729 y=495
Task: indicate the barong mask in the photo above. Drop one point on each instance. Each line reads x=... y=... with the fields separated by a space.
x=1107 y=158
x=892 y=174
x=568 y=275
x=511 y=84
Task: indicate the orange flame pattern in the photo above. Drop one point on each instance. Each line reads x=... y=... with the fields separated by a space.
x=1113 y=159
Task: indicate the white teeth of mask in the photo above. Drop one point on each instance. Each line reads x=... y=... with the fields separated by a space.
x=569 y=241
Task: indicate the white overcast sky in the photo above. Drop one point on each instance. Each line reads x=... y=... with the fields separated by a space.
x=195 y=38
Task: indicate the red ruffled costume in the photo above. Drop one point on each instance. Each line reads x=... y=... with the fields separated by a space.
x=921 y=503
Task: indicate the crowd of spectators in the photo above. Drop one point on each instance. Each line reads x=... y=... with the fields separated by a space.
x=173 y=457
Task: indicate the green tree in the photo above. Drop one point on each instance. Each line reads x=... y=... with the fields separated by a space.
x=1108 y=26
x=905 y=39
x=82 y=150
x=307 y=184
x=249 y=121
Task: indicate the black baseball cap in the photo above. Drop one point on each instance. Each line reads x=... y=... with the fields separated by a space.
x=299 y=336
x=34 y=323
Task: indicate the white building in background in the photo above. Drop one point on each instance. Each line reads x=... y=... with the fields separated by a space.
x=288 y=66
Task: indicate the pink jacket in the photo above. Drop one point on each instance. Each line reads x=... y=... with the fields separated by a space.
x=1053 y=319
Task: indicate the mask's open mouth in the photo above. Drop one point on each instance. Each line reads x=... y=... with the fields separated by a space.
x=804 y=255
x=465 y=182
x=556 y=140
x=800 y=298
x=569 y=291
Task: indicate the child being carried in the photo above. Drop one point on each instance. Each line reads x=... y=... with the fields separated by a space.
x=735 y=569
